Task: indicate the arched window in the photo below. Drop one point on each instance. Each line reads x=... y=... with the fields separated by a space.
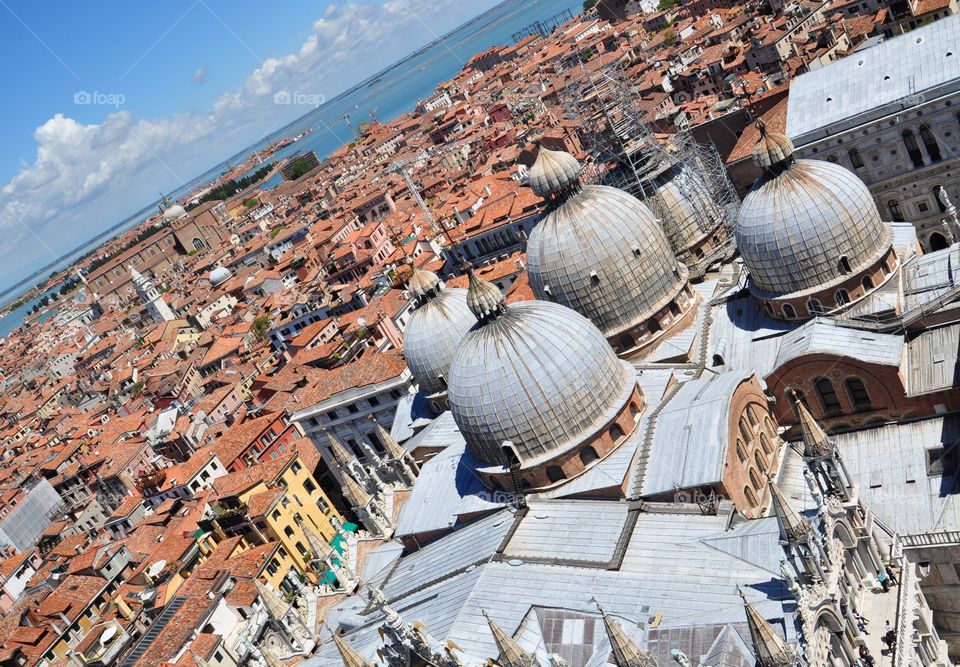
x=674 y=309
x=930 y=143
x=741 y=452
x=843 y=265
x=858 y=393
x=198 y=244
x=843 y=297
x=615 y=432
x=913 y=148
x=750 y=496
x=634 y=410
x=288 y=531
x=755 y=479
x=752 y=415
x=765 y=443
x=769 y=427
x=867 y=283
x=896 y=214
x=828 y=396
x=789 y=312
x=758 y=459
x=626 y=341
x=815 y=307
x=855 y=158
x=555 y=473
x=653 y=326
x=588 y=455
x=745 y=431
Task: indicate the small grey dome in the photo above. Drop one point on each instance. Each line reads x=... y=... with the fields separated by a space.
x=553 y=172
x=422 y=284
x=808 y=226
x=219 y=275
x=432 y=336
x=539 y=376
x=174 y=212
x=602 y=253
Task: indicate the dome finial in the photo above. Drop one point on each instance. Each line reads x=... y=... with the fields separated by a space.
x=554 y=174
x=774 y=151
x=483 y=298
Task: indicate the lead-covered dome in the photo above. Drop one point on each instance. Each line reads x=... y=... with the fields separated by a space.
x=174 y=212
x=601 y=252
x=806 y=223
x=219 y=275
x=536 y=375
x=436 y=327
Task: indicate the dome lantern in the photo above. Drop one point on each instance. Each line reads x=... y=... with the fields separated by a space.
x=483 y=298
x=554 y=174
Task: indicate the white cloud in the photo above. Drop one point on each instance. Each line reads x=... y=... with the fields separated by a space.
x=86 y=177
x=200 y=76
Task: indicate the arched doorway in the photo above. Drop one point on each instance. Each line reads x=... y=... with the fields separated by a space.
x=938 y=241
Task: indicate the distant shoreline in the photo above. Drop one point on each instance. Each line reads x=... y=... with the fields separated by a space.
x=132 y=220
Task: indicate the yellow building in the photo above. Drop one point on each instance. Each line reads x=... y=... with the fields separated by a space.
x=280 y=501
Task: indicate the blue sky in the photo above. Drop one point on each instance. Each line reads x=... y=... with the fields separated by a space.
x=109 y=102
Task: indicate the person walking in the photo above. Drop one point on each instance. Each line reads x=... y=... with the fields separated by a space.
x=890 y=636
x=893 y=580
x=882 y=578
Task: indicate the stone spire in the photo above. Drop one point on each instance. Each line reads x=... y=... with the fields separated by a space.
x=198 y=659
x=625 y=652
x=354 y=492
x=483 y=298
x=343 y=458
x=399 y=458
x=510 y=653
x=793 y=528
x=816 y=443
x=769 y=647
x=350 y=657
x=277 y=609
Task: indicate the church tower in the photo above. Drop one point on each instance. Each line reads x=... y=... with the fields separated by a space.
x=150 y=297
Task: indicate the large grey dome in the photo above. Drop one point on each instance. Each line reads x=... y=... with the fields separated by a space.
x=602 y=253
x=806 y=224
x=432 y=336
x=689 y=211
x=539 y=376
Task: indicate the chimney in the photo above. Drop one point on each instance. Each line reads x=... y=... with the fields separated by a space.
x=486 y=191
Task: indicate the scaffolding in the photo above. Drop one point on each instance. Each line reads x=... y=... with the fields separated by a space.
x=684 y=183
x=543 y=27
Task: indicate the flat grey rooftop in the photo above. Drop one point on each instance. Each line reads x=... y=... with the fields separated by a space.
x=899 y=73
